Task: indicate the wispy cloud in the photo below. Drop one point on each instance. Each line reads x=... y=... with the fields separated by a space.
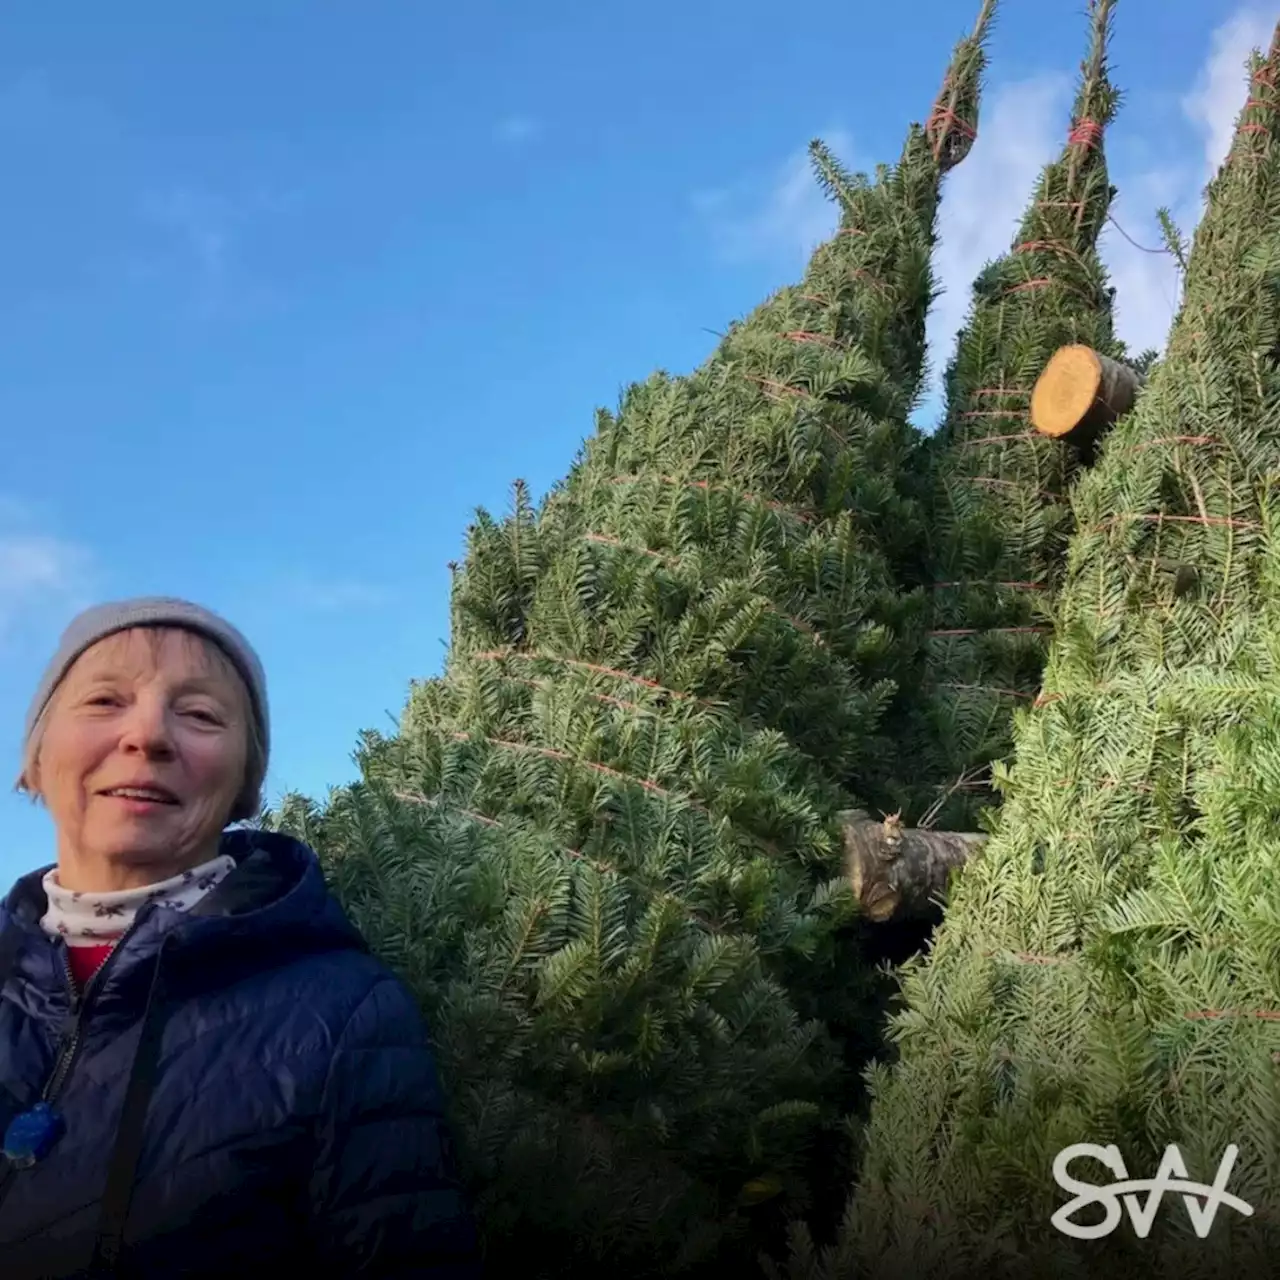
x=783 y=217
x=202 y=223
x=334 y=595
x=1021 y=130
x=1215 y=99
x=517 y=128
x=206 y=229
x=40 y=573
x=1145 y=276
x=1147 y=280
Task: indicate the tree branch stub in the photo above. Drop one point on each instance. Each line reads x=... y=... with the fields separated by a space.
x=900 y=873
x=1081 y=394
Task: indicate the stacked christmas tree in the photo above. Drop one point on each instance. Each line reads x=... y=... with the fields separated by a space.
x=1108 y=970
x=996 y=491
x=605 y=845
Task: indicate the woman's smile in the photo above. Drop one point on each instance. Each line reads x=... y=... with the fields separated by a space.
x=143 y=806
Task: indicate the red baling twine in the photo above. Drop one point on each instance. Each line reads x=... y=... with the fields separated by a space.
x=990 y=688
x=941 y=115
x=804 y=335
x=1253 y=126
x=776 y=388
x=1221 y=522
x=1267 y=1015
x=990 y=631
x=1060 y=247
x=499 y=655
x=861 y=273
x=551 y=753
x=948 y=120
x=1086 y=133
x=1020 y=435
x=1162 y=440
x=1028 y=586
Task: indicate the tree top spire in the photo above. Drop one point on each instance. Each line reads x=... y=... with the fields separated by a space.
x=1096 y=99
x=952 y=124
x=1258 y=116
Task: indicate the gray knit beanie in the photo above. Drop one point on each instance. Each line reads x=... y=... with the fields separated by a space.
x=103 y=620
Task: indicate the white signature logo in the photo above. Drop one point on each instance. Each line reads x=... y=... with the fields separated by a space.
x=1171 y=1176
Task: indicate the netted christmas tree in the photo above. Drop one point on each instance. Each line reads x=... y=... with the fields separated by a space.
x=604 y=846
x=996 y=491
x=1109 y=970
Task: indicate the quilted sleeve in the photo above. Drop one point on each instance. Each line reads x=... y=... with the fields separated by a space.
x=385 y=1200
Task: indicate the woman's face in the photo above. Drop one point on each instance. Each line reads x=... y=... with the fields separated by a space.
x=158 y=712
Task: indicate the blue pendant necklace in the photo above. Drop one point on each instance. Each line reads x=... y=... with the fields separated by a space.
x=31 y=1135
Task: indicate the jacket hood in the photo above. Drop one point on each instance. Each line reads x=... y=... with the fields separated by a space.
x=274 y=904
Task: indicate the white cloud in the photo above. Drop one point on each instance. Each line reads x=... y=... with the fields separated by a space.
x=1146 y=278
x=40 y=574
x=1020 y=130
x=32 y=563
x=1218 y=94
x=1148 y=284
x=517 y=128
x=1023 y=128
x=787 y=222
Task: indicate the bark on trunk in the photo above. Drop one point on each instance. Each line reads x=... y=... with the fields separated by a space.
x=1081 y=394
x=900 y=873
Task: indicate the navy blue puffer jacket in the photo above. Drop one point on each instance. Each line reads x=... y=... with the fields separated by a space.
x=284 y=1112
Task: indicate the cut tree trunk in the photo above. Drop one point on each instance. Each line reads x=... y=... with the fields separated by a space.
x=1081 y=394
x=901 y=873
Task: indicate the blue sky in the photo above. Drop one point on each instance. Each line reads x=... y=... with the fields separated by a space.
x=290 y=289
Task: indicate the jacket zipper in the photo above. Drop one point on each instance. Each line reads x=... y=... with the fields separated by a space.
x=71 y=1045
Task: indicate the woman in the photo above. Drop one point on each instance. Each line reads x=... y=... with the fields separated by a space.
x=202 y=1069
